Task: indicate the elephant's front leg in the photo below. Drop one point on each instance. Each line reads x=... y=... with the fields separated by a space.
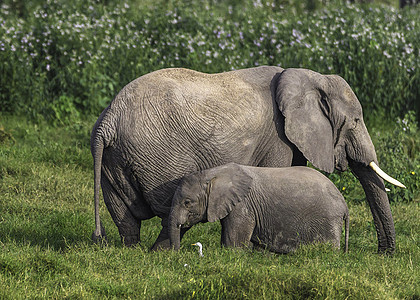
x=237 y=229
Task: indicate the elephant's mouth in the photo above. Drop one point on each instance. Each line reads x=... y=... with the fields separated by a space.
x=340 y=166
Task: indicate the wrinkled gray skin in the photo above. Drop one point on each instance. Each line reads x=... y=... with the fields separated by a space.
x=274 y=208
x=173 y=122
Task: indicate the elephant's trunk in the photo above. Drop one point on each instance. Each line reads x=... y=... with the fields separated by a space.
x=174 y=233
x=379 y=205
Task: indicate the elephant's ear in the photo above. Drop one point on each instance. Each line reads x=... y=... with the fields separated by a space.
x=302 y=100
x=227 y=187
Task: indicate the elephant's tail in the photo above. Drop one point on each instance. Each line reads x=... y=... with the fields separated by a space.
x=97 y=151
x=103 y=133
x=346 y=232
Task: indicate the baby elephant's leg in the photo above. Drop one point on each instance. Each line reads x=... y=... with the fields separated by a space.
x=237 y=229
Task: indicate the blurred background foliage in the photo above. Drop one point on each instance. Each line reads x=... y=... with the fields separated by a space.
x=63 y=61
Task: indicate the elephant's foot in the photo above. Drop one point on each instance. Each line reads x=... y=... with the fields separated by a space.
x=163 y=242
x=386 y=251
x=161 y=245
x=130 y=240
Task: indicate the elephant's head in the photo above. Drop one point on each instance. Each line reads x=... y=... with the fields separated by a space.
x=324 y=120
x=206 y=196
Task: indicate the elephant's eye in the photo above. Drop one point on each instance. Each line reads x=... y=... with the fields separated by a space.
x=355 y=123
x=187 y=202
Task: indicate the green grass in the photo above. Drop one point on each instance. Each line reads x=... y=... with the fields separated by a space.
x=64 y=72
x=46 y=219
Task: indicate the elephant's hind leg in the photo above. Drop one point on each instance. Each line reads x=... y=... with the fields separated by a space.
x=128 y=225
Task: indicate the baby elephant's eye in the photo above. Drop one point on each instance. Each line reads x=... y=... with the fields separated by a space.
x=187 y=202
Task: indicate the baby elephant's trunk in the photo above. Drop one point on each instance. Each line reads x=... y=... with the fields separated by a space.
x=174 y=234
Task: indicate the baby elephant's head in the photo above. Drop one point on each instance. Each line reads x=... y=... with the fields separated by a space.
x=189 y=204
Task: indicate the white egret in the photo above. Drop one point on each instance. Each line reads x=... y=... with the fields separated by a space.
x=200 y=248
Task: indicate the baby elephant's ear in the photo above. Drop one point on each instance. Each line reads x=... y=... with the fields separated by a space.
x=228 y=185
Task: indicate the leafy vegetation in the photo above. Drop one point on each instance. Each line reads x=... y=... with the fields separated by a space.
x=399 y=150
x=67 y=59
x=63 y=61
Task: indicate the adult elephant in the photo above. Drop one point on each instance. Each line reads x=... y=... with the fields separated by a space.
x=173 y=122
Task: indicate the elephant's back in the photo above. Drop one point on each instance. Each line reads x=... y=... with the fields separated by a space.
x=255 y=76
x=196 y=86
x=304 y=185
x=189 y=108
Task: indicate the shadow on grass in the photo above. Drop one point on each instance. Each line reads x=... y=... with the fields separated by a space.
x=59 y=230
x=50 y=230
x=247 y=285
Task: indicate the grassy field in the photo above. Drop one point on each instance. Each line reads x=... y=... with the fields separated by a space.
x=46 y=219
x=61 y=64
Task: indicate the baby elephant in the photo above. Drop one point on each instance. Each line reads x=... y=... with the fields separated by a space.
x=274 y=208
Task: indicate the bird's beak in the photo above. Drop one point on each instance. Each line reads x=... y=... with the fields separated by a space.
x=193 y=244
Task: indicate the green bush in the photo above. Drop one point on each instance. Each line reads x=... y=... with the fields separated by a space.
x=84 y=52
x=399 y=150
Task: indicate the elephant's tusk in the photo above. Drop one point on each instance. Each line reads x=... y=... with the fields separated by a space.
x=385 y=176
